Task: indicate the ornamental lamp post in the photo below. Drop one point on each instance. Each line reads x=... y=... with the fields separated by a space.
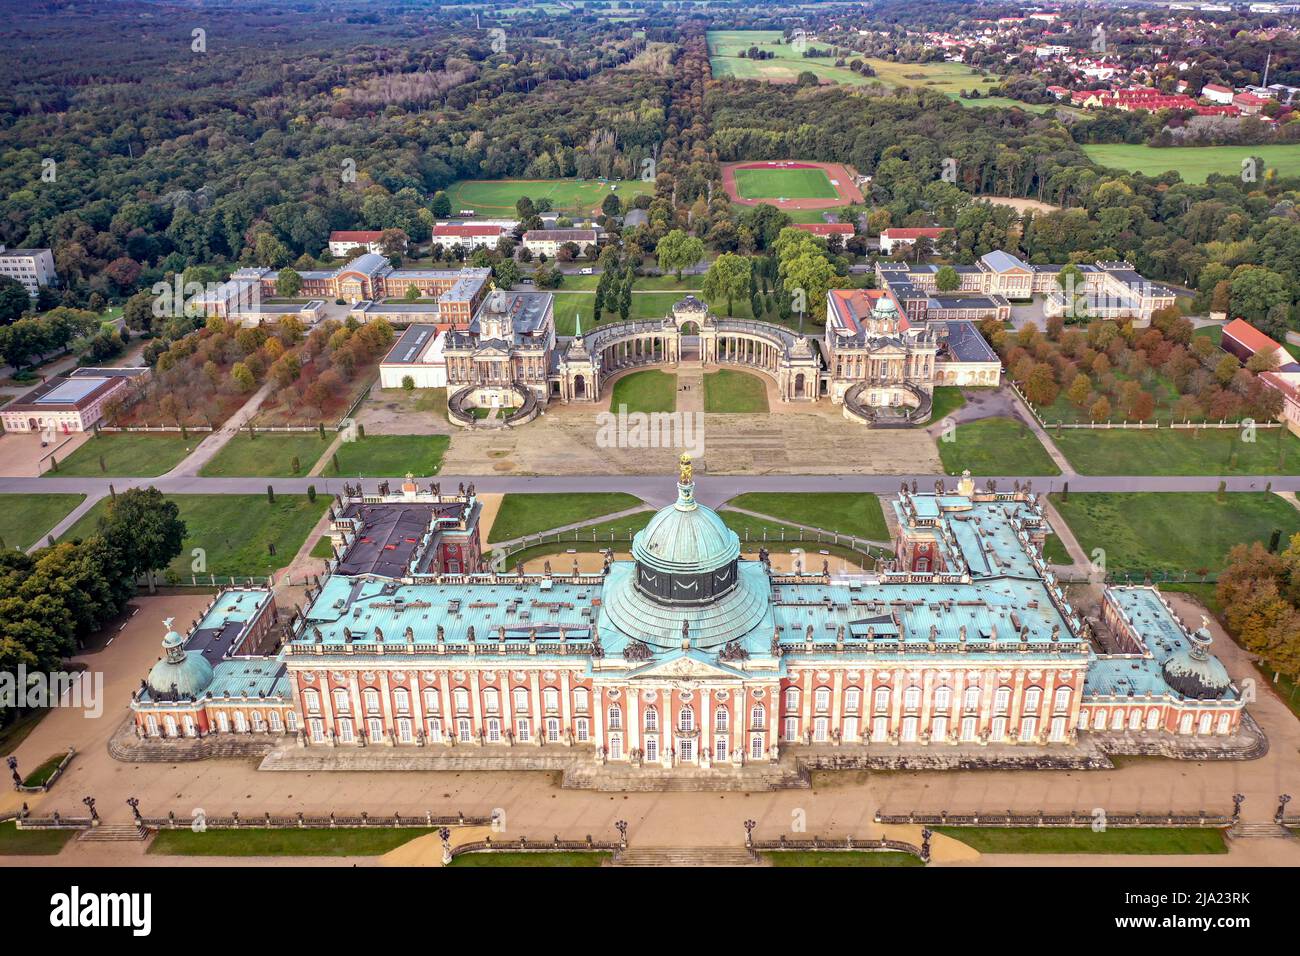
x=134 y=804
x=1237 y=799
x=621 y=827
x=926 y=833
x=444 y=834
x=1282 y=801
x=94 y=814
x=749 y=832
x=12 y=764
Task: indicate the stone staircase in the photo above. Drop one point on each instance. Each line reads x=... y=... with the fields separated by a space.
x=124 y=745
x=1259 y=831
x=688 y=856
x=113 y=833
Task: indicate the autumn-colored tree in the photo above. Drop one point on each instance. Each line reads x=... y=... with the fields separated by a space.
x=242 y=377
x=1079 y=390
x=1100 y=410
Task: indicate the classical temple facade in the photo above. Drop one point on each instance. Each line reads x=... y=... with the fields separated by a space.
x=692 y=654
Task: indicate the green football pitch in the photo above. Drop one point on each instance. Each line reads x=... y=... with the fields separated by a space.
x=784 y=184
x=497 y=197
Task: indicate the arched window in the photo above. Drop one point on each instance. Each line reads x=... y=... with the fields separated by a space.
x=370 y=698
x=1001 y=700
x=432 y=702
x=970 y=698
x=581 y=700
x=491 y=700
x=943 y=699
x=686 y=718
x=758 y=717
x=1099 y=719
x=521 y=698
x=912 y=698
x=342 y=702
x=582 y=730
x=460 y=700
x=721 y=719
x=651 y=719
x=1033 y=699
x=792 y=698
x=615 y=718
x=882 y=699
x=1061 y=699
x=402 y=700
x=822 y=699
x=463 y=731
x=311 y=701
x=853 y=700
x=552 y=729
x=551 y=699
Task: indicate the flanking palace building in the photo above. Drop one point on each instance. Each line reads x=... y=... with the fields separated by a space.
x=692 y=654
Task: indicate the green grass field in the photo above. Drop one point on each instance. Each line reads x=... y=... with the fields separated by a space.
x=647 y=391
x=842 y=511
x=784 y=184
x=728 y=391
x=947 y=78
x=524 y=513
x=232 y=530
x=267 y=455
x=1167 y=451
x=137 y=454
x=1195 y=163
x=947 y=399
x=495 y=198
x=1173 y=531
x=247 y=841
x=1153 y=840
x=783 y=538
x=391 y=456
x=15 y=842
x=785 y=67
x=616 y=532
x=996 y=446
x=26 y=519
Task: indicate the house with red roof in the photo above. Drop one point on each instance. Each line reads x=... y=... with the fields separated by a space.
x=1217 y=94
x=469 y=236
x=827 y=229
x=1243 y=340
x=343 y=241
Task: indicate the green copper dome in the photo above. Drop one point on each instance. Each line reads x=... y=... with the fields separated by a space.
x=180 y=673
x=685 y=538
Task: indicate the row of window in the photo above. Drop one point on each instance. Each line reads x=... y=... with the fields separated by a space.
x=431 y=698
x=462 y=727
x=223 y=723
x=1118 y=719
x=941 y=700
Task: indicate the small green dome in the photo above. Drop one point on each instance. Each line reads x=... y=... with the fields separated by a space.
x=180 y=673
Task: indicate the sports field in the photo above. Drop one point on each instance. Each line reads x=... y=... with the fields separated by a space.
x=497 y=197
x=794 y=183
x=1195 y=163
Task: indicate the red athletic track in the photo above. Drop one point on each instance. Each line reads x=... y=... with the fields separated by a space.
x=847 y=191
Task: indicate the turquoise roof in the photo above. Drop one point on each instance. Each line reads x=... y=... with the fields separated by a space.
x=185 y=673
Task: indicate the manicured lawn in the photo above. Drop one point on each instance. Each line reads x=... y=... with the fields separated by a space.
x=390 y=456
x=1195 y=163
x=784 y=539
x=523 y=513
x=541 y=858
x=43 y=773
x=26 y=519
x=323 y=548
x=784 y=184
x=15 y=842
x=246 y=841
x=784 y=67
x=1173 y=531
x=729 y=391
x=840 y=858
x=947 y=399
x=137 y=454
x=1138 y=840
x=267 y=455
x=847 y=512
x=996 y=446
x=495 y=198
x=616 y=533
x=1054 y=551
x=233 y=531
x=647 y=391
x=1167 y=451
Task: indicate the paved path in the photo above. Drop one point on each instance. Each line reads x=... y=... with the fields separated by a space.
x=68 y=521
x=208 y=449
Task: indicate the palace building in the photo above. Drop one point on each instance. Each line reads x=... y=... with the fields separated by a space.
x=693 y=654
